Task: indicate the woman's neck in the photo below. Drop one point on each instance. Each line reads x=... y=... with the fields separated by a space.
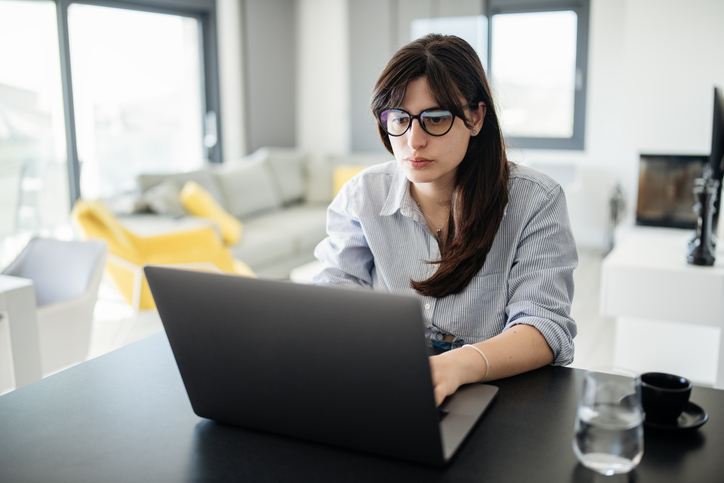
x=431 y=197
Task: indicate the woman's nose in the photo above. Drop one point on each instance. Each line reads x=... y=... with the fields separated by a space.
x=416 y=136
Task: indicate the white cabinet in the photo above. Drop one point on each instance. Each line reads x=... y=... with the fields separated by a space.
x=669 y=314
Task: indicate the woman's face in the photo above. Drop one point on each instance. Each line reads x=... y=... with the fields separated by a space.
x=426 y=158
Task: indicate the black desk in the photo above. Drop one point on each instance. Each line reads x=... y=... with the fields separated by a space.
x=125 y=417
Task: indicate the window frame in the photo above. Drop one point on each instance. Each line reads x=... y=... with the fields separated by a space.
x=202 y=10
x=582 y=9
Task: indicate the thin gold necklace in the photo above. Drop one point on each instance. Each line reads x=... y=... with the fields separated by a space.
x=438 y=234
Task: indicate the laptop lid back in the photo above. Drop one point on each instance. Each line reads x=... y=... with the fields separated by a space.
x=332 y=365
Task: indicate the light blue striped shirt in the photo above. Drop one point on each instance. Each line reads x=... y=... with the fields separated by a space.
x=378 y=238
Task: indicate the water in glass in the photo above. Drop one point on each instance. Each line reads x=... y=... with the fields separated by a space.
x=609 y=425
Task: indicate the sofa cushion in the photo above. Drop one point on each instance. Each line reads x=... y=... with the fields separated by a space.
x=319 y=181
x=148 y=225
x=263 y=245
x=305 y=224
x=287 y=166
x=248 y=187
x=203 y=177
x=282 y=234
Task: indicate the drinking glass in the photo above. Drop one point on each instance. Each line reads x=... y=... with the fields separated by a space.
x=609 y=437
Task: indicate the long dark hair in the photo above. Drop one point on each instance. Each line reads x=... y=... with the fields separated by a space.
x=453 y=72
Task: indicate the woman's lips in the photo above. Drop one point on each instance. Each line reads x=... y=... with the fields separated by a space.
x=417 y=163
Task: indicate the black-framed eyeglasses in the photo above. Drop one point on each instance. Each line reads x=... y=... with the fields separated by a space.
x=435 y=122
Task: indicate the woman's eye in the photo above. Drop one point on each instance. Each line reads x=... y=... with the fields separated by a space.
x=401 y=121
x=437 y=117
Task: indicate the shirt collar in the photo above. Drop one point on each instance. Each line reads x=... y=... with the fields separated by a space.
x=398 y=198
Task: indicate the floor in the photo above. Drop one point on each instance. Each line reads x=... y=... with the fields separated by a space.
x=595 y=339
x=115 y=324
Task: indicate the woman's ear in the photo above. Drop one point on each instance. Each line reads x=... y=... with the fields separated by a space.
x=478 y=117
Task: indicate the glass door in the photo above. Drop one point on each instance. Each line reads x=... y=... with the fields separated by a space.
x=34 y=194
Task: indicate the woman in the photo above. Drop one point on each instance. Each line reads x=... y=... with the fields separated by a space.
x=484 y=243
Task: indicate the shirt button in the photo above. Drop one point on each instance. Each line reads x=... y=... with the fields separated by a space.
x=427 y=306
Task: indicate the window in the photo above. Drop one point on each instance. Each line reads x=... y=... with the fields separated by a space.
x=92 y=93
x=538 y=105
x=137 y=98
x=535 y=55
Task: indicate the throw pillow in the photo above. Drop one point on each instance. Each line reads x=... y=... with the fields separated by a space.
x=199 y=202
x=248 y=188
x=163 y=199
x=287 y=166
x=344 y=173
x=127 y=204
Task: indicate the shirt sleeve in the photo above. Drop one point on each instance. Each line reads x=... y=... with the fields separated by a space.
x=541 y=279
x=345 y=255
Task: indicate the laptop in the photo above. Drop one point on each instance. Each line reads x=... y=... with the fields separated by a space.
x=332 y=365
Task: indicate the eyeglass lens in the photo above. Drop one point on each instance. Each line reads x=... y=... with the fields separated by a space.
x=434 y=121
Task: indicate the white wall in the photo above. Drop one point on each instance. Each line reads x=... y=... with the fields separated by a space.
x=323 y=68
x=231 y=77
x=371 y=44
x=674 y=57
x=270 y=72
x=652 y=68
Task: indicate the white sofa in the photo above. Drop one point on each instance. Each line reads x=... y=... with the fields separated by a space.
x=280 y=195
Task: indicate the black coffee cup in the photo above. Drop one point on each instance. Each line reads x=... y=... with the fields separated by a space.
x=664 y=396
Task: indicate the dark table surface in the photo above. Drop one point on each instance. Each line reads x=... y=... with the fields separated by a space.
x=125 y=417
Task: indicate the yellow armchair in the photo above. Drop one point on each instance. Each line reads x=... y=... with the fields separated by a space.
x=199 y=248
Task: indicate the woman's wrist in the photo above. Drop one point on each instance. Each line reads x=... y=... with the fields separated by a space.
x=485 y=358
x=469 y=366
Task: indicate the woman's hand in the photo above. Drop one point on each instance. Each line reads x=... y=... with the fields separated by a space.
x=444 y=381
x=454 y=368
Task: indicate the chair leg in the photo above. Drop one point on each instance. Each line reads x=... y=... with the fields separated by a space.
x=127 y=327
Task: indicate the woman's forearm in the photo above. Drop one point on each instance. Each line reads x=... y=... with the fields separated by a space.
x=519 y=349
